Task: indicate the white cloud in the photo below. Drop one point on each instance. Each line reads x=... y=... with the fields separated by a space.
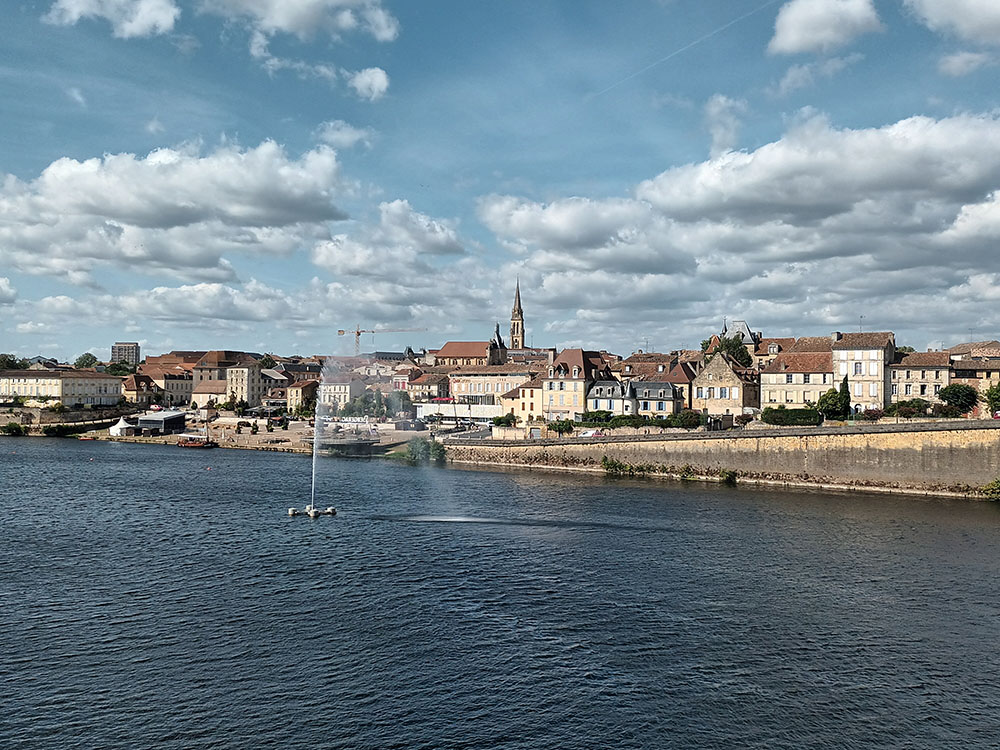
x=77 y=96
x=32 y=328
x=963 y=63
x=128 y=18
x=722 y=115
x=806 y=75
x=340 y=134
x=370 y=83
x=154 y=126
x=208 y=302
x=821 y=25
x=305 y=18
x=174 y=210
x=972 y=20
x=260 y=50
x=800 y=236
x=7 y=291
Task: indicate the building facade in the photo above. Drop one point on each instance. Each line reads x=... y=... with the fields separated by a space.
x=724 y=387
x=865 y=358
x=126 y=351
x=796 y=379
x=919 y=375
x=566 y=383
x=68 y=387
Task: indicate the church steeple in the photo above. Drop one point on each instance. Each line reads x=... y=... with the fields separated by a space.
x=517 y=320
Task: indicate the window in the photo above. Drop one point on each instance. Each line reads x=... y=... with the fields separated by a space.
x=805 y=377
x=659 y=368
x=908 y=389
x=843 y=368
x=723 y=393
x=734 y=393
x=659 y=406
x=873 y=368
x=873 y=390
x=645 y=406
x=788 y=378
x=700 y=393
x=936 y=389
x=857 y=389
x=859 y=368
x=711 y=393
x=825 y=378
x=628 y=369
x=895 y=389
x=923 y=373
x=873 y=354
x=807 y=396
x=596 y=402
x=907 y=374
x=894 y=373
x=770 y=396
x=562 y=386
x=772 y=348
x=923 y=390
x=937 y=374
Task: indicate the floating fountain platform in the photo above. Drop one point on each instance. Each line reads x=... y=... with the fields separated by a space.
x=312 y=511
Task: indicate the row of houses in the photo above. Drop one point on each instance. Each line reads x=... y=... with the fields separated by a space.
x=541 y=383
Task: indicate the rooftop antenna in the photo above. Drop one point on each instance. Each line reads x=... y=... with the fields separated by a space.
x=861 y=324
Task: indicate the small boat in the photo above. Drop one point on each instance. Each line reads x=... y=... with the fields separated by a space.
x=86 y=438
x=196 y=441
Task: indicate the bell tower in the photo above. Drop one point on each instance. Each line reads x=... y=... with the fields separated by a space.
x=517 y=320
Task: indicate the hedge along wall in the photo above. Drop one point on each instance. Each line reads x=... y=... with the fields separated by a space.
x=928 y=457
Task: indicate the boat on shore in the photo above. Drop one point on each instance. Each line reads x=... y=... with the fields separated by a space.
x=196 y=441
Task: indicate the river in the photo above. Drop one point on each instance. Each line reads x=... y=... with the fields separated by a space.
x=154 y=597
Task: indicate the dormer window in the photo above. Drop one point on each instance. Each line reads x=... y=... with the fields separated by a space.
x=628 y=369
x=659 y=368
x=576 y=372
x=772 y=349
x=552 y=372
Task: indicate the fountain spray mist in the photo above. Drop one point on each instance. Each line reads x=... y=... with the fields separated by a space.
x=322 y=419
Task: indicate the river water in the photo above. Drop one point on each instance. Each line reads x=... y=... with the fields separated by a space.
x=154 y=597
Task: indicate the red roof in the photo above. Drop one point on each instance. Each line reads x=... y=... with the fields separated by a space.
x=464 y=349
x=801 y=362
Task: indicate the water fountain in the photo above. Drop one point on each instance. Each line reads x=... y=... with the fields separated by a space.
x=322 y=421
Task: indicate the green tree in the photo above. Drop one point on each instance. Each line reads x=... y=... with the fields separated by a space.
x=13 y=428
x=507 y=420
x=85 y=360
x=905 y=349
x=734 y=347
x=120 y=369
x=991 y=396
x=962 y=397
x=267 y=362
x=10 y=362
x=835 y=404
x=561 y=426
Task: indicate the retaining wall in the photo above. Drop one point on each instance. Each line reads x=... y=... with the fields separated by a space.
x=941 y=456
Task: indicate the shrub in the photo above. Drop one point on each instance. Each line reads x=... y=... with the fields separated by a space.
x=561 y=426
x=743 y=419
x=601 y=416
x=946 y=410
x=13 y=428
x=420 y=449
x=961 y=396
x=872 y=415
x=798 y=417
x=62 y=430
x=507 y=420
x=992 y=490
x=906 y=412
x=728 y=476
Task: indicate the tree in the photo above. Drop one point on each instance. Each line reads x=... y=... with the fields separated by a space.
x=562 y=426
x=734 y=347
x=85 y=360
x=10 y=362
x=905 y=349
x=962 y=397
x=120 y=369
x=835 y=404
x=267 y=362
x=507 y=420
x=991 y=396
x=845 y=398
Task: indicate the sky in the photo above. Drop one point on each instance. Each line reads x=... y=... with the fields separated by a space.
x=257 y=174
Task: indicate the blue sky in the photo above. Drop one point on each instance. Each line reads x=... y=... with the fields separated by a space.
x=256 y=174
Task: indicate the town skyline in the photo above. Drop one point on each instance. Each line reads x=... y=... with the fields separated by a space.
x=190 y=174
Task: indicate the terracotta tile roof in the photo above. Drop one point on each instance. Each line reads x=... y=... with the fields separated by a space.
x=590 y=363
x=211 y=388
x=803 y=362
x=138 y=382
x=506 y=369
x=870 y=340
x=304 y=384
x=923 y=359
x=515 y=392
x=984 y=363
x=812 y=344
x=464 y=349
x=430 y=378
x=783 y=345
x=969 y=346
x=60 y=374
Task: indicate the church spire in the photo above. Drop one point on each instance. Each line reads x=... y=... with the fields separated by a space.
x=517 y=320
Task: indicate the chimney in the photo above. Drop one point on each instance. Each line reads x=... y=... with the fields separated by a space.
x=836 y=336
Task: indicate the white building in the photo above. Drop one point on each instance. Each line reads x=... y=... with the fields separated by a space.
x=864 y=358
x=68 y=387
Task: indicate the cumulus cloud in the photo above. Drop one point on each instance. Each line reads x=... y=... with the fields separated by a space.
x=128 y=18
x=821 y=25
x=305 y=18
x=340 y=134
x=174 y=210
x=971 y=20
x=722 y=116
x=963 y=63
x=208 y=302
x=807 y=74
x=7 y=291
x=909 y=213
x=370 y=83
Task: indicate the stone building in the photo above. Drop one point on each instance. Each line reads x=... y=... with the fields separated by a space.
x=864 y=358
x=796 y=379
x=725 y=387
x=919 y=375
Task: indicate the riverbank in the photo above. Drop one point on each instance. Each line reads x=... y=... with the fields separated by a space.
x=943 y=459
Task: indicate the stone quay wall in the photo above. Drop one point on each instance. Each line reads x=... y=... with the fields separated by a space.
x=950 y=457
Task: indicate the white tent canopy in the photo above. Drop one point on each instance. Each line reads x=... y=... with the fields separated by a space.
x=117 y=430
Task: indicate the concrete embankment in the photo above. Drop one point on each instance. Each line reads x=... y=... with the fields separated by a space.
x=940 y=458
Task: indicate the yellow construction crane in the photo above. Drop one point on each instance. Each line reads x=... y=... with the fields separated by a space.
x=358 y=330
